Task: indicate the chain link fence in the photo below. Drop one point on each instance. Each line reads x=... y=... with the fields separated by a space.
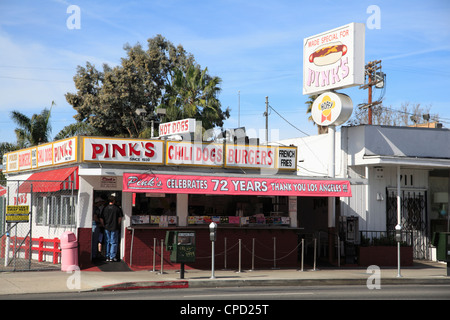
x=33 y=215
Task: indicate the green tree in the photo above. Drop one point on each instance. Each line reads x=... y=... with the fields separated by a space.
x=74 y=129
x=407 y=115
x=194 y=94
x=107 y=100
x=32 y=131
x=309 y=104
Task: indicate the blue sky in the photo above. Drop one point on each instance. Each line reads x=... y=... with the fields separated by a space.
x=254 y=46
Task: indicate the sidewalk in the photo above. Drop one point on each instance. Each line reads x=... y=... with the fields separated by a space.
x=59 y=281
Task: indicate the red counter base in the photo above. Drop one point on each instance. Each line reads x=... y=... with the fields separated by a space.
x=283 y=241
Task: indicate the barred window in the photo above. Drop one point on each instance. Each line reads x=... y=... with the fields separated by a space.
x=56 y=210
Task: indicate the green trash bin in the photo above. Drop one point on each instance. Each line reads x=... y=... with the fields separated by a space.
x=181 y=245
x=440 y=241
x=447 y=252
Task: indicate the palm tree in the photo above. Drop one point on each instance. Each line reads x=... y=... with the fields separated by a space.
x=32 y=131
x=194 y=94
x=77 y=128
x=309 y=103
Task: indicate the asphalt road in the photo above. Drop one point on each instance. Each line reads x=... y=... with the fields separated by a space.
x=267 y=294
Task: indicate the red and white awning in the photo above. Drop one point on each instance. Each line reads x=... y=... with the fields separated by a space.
x=51 y=181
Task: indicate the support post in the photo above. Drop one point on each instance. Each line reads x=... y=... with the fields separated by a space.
x=399 y=220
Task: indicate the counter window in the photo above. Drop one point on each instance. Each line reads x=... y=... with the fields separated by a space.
x=160 y=210
x=154 y=209
x=238 y=210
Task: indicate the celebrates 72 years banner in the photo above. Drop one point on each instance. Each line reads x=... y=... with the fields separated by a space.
x=198 y=184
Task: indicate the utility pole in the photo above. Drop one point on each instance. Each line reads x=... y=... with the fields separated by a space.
x=267 y=120
x=239 y=108
x=370 y=73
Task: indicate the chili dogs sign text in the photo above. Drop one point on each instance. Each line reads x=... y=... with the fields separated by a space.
x=196 y=154
x=195 y=184
x=334 y=59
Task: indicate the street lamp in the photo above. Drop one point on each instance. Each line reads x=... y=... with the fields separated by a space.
x=160 y=113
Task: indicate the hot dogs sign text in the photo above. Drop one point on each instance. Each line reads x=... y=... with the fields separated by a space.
x=334 y=59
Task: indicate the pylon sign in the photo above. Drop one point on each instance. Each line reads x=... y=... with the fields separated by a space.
x=331 y=108
x=334 y=59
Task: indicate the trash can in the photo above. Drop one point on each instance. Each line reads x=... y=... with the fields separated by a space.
x=439 y=241
x=447 y=252
x=181 y=245
x=69 y=251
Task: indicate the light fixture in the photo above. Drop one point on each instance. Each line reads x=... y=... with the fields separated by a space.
x=441 y=198
x=379 y=80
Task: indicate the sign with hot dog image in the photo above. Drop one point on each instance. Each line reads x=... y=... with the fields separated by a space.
x=334 y=59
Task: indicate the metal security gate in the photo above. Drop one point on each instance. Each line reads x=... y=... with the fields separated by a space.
x=413 y=215
x=26 y=209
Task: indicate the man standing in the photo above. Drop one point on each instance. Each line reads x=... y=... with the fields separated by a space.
x=111 y=217
x=97 y=228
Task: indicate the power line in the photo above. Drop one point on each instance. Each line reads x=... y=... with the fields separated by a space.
x=37 y=68
x=31 y=79
x=288 y=121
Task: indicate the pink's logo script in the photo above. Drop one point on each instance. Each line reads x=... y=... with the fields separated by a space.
x=147 y=183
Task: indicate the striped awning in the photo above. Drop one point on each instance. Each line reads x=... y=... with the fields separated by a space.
x=51 y=181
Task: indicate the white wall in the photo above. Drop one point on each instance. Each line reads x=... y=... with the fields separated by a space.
x=314 y=155
x=370 y=180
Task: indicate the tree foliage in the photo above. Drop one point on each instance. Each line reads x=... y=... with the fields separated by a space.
x=309 y=103
x=107 y=100
x=407 y=115
x=32 y=131
x=194 y=94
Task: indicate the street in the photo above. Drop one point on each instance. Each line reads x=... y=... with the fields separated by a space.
x=266 y=294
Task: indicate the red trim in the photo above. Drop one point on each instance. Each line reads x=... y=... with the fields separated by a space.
x=51 y=181
x=43 y=246
x=2 y=191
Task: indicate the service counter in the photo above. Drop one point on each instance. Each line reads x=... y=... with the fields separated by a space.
x=256 y=216
x=225 y=221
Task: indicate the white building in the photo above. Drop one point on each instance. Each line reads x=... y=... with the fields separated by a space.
x=374 y=158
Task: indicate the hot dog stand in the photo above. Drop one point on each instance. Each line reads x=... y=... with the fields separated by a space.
x=250 y=191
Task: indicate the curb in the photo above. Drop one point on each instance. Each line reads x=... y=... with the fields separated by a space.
x=145 y=285
x=178 y=284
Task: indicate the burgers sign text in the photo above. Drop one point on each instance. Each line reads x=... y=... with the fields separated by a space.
x=334 y=59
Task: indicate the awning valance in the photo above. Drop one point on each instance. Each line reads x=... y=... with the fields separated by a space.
x=235 y=185
x=51 y=181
